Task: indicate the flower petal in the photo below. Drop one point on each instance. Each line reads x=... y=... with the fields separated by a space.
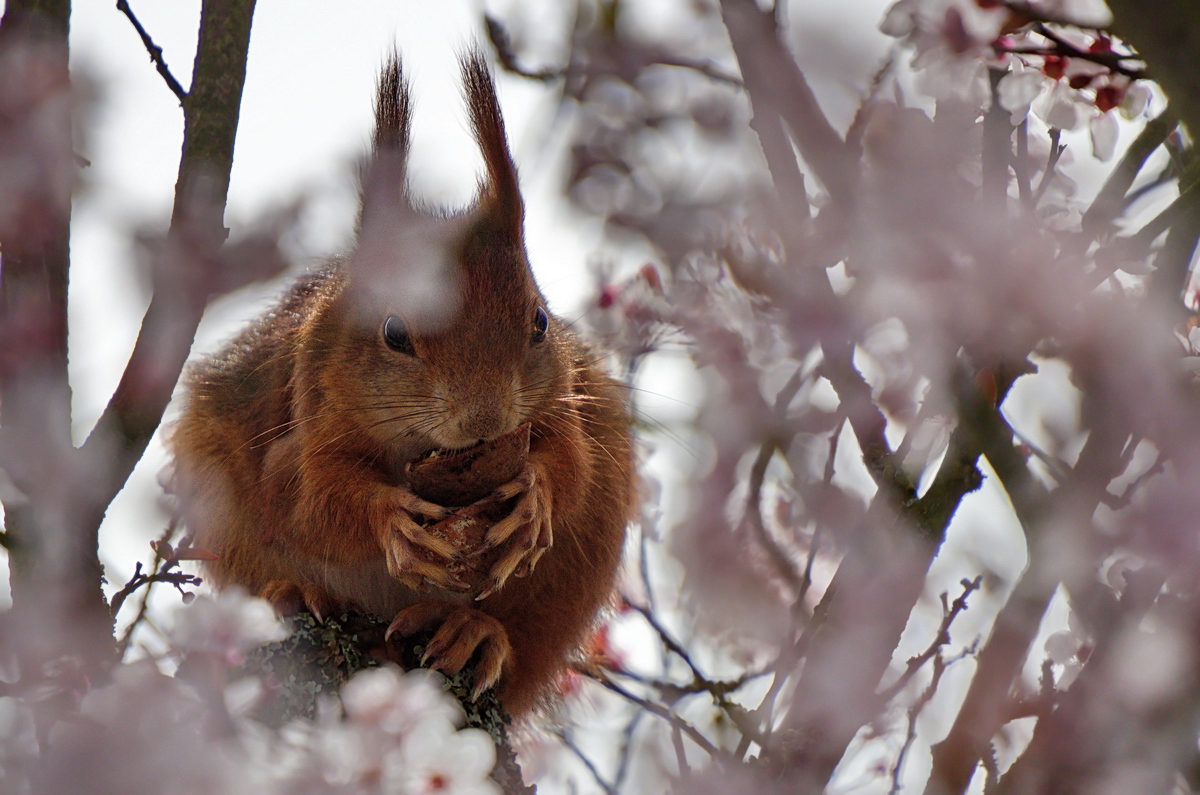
x=1105 y=132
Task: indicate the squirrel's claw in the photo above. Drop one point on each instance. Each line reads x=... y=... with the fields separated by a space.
x=416 y=573
x=289 y=597
x=463 y=631
x=527 y=530
x=412 y=553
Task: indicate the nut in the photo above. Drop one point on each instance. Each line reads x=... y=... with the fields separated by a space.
x=460 y=479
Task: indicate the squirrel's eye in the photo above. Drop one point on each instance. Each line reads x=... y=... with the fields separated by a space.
x=541 y=322
x=396 y=336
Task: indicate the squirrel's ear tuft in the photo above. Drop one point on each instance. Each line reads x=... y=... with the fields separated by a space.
x=382 y=177
x=393 y=110
x=501 y=195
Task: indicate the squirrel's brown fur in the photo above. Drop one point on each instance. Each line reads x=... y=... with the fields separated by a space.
x=290 y=453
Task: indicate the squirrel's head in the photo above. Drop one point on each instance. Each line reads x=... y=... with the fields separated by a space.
x=441 y=331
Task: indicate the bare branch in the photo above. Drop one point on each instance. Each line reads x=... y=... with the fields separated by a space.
x=658 y=710
x=156 y=53
x=940 y=639
x=197 y=232
x=778 y=88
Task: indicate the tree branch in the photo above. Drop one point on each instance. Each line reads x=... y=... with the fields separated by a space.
x=777 y=88
x=184 y=282
x=156 y=53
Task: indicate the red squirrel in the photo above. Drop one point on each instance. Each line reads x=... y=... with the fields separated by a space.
x=430 y=334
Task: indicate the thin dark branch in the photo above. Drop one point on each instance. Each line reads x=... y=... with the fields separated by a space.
x=156 y=53
x=1110 y=60
x=778 y=88
x=779 y=441
x=506 y=54
x=665 y=636
x=680 y=754
x=626 y=747
x=1056 y=151
x=940 y=639
x=657 y=710
x=940 y=664
x=582 y=757
x=1021 y=165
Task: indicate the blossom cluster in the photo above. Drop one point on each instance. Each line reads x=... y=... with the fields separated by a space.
x=393 y=733
x=1066 y=75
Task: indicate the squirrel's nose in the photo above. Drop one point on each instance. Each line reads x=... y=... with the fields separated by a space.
x=482 y=423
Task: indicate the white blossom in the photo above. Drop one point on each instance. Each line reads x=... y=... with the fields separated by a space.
x=455 y=763
x=1136 y=100
x=1105 y=131
x=1061 y=107
x=1018 y=89
x=227 y=625
x=399 y=703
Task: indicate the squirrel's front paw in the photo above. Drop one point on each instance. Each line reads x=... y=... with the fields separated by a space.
x=411 y=551
x=526 y=531
x=463 y=631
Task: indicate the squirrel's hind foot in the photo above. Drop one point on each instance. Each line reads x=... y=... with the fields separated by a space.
x=290 y=598
x=463 y=631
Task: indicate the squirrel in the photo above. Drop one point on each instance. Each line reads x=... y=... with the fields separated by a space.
x=431 y=334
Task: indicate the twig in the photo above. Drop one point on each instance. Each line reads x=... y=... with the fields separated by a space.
x=668 y=641
x=1056 y=152
x=672 y=691
x=156 y=53
x=657 y=710
x=680 y=754
x=582 y=757
x=1110 y=60
x=940 y=639
x=644 y=565
x=1021 y=165
x=626 y=745
x=166 y=558
x=758 y=474
x=940 y=664
x=506 y=54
